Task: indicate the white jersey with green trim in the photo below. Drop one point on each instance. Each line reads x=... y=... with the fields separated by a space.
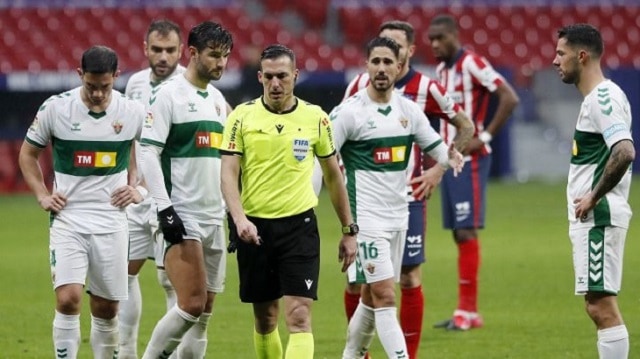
x=604 y=120
x=140 y=86
x=186 y=123
x=90 y=156
x=374 y=141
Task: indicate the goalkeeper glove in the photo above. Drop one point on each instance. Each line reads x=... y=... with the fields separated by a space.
x=171 y=225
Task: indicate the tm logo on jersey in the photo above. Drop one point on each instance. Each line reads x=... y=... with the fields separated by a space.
x=208 y=140
x=94 y=159
x=389 y=154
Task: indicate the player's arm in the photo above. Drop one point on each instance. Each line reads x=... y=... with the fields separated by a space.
x=432 y=145
x=152 y=140
x=332 y=138
x=615 y=129
x=38 y=136
x=231 y=151
x=464 y=130
x=507 y=102
x=440 y=104
x=32 y=173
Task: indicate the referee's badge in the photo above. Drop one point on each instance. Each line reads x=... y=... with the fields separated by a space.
x=300 y=148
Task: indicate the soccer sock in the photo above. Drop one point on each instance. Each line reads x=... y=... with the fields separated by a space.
x=168 y=332
x=300 y=346
x=411 y=312
x=468 y=264
x=613 y=343
x=170 y=293
x=362 y=328
x=350 y=303
x=389 y=332
x=194 y=342
x=129 y=312
x=267 y=345
x=104 y=337
x=66 y=335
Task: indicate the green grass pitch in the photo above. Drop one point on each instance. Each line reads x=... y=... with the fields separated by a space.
x=526 y=286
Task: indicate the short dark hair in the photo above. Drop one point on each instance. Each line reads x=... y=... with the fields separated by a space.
x=210 y=34
x=274 y=51
x=383 y=42
x=402 y=26
x=447 y=20
x=99 y=60
x=583 y=35
x=164 y=27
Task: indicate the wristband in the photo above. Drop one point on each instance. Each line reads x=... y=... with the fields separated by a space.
x=143 y=191
x=485 y=137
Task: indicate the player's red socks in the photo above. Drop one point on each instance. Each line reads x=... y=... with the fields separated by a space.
x=468 y=264
x=350 y=304
x=411 y=312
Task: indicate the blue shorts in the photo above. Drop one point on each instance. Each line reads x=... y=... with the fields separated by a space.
x=414 y=242
x=463 y=197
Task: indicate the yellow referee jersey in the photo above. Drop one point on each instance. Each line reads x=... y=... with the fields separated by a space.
x=277 y=155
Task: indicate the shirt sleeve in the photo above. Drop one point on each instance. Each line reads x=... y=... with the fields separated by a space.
x=439 y=103
x=232 y=141
x=611 y=118
x=158 y=120
x=425 y=136
x=325 y=146
x=40 y=131
x=341 y=125
x=483 y=73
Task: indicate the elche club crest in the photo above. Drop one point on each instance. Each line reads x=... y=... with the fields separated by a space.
x=300 y=148
x=404 y=122
x=117 y=126
x=218 y=109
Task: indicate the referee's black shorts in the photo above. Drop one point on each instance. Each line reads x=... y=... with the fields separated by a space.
x=287 y=262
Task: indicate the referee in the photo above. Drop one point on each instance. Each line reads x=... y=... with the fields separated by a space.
x=272 y=141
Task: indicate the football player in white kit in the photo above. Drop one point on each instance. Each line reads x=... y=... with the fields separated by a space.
x=91 y=129
x=374 y=131
x=598 y=184
x=181 y=167
x=163 y=48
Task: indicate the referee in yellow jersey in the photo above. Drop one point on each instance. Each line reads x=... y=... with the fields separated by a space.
x=272 y=141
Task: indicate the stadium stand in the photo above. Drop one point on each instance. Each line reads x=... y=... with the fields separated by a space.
x=518 y=35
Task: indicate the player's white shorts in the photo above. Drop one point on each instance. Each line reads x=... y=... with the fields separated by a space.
x=379 y=256
x=597 y=258
x=99 y=258
x=212 y=238
x=143 y=224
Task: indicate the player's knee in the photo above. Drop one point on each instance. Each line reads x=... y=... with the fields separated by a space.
x=194 y=305
x=601 y=311
x=410 y=277
x=465 y=234
x=298 y=319
x=383 y=296
x=68 y=300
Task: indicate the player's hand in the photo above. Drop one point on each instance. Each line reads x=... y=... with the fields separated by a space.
x=171 y=225
x=583 y=206
x=427 y=182
x=53 y=203
x=456 y=159
x=124 y=196
x=474 y=145
x=347 y=251
x=247 y=231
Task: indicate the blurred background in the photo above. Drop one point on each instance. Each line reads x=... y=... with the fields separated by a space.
x=41 y=42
